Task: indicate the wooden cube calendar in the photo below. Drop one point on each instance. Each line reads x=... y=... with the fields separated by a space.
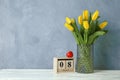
x=63 y=64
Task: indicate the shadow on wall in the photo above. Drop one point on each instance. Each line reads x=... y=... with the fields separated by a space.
x=107 y=50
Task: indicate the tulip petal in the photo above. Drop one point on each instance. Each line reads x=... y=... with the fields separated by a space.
x=103 y=24
x=80 y=19
x=68 y=20
x=86 y=24
x=95 y=15
x=69 y=27
x=85 y=14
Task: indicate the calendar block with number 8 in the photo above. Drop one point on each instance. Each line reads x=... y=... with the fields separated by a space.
x=63 y=65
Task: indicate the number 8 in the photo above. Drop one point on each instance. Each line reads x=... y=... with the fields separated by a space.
x=69 y=64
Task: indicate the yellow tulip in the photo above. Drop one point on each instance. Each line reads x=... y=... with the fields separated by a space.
x=68 y=20
x=85 y=14
x=95 y=15
x=69 y=27
x=103 y=24
x=86 y=25
x=73 y=20
x=80 y=19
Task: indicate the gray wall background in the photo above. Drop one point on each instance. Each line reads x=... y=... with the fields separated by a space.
x=32 y=32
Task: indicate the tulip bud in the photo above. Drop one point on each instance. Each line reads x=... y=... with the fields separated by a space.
x=80 y=20
x=85 y=14
x=95 y=15
x=68 y=20
x=103 y=24
x=73 y=20
x=69 y=27
x=86 y=25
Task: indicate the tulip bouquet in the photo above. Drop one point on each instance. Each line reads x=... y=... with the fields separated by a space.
x=89 y=29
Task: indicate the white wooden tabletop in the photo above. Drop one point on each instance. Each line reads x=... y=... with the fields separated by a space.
x=48 y=74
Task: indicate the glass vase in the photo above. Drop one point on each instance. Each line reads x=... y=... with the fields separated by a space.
x=84 y=62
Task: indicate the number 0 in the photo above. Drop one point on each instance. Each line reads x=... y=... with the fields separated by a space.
x=61 y=64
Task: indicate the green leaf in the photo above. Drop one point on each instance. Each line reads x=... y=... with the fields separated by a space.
x=92 y=27
x=81 y=30
x=98 y=17
x=95 y=35
x=90 y=18
x=78 y=33
x=85 y=36
x=76 y=38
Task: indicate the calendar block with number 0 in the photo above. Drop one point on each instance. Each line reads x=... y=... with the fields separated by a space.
x=63 y=64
